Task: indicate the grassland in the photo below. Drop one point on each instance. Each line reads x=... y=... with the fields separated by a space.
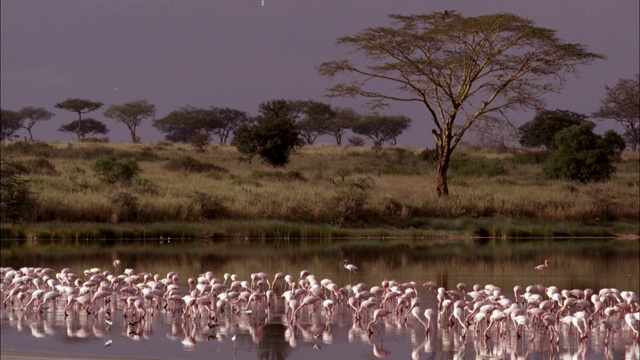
x=325 y=191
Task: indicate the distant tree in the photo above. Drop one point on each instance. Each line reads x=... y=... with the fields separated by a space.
x=272 y=135
x=541 y=131
x=622 y=104
x=344 y=120
x=131 y=114
x=582 y=155
x=460 y=68
x=89 y=127
x=33 y=116
x=79 y=106
x=10 y=123
x=188 y=122
x=382 y=128
x=228 y=121
x=313 y=119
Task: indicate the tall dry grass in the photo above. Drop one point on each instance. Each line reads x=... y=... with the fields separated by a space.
x=337 y=186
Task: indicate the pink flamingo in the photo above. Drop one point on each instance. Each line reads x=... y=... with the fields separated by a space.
x=378 y=314
x=542 y=267
x=349 y=267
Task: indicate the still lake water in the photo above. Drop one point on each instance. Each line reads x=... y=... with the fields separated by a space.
x=574 y=264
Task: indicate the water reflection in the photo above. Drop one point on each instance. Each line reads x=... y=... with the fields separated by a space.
x=165 y=326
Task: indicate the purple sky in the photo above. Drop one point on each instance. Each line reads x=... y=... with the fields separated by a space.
x=237 y=53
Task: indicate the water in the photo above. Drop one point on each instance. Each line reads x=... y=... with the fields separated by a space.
x=574 y=264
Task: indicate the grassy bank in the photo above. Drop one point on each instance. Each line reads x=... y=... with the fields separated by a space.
x=326 y=191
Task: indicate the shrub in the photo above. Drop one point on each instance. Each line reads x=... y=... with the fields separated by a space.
x=93 y=139
x=356 y=141
x=17 y=203
x=125 y=207
x=210 y=207
x=34 y=148
x=189 y=164
x=41 y=166
x=530 y=157
x=111 y=170
x=429 y=155
x=581 y=155
x=463 y=165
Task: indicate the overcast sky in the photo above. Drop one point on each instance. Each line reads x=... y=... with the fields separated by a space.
x=238 y=53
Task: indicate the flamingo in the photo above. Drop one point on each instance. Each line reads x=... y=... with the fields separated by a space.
x=349 y=267
x=542 y=267
x=378 y=314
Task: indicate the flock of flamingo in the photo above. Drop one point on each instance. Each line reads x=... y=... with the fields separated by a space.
x=210 y=303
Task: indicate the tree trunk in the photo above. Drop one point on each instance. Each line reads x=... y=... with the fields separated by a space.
x=443 y=168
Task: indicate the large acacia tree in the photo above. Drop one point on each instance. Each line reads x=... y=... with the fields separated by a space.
x=131 y=114
x=463 y=69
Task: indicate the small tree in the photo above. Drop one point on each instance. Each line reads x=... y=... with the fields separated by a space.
x=79 y=106
x=272 y=135
x=228 y=121
x=541 y=131
x=314 y=118
x=622 y=104
x=131 y=114
x=10 y=123
x=89 y=127
x=344 y=120
x=382 y=128
x=33 y=116
x=582 y=155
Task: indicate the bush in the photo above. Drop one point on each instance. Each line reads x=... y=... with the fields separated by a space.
x=125 y=207
x=463 y=165
x=189 y=164
x=581 y=155
x=530 y=157
x=41 y=166
x=93 y=139
x=111 y=170
x=210 y=207
x=34 y=148
x=17 y=203
x=356 y=141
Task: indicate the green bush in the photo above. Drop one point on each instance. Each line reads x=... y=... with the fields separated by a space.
x=41 y=166
x=463 y=165
x=125 y=207
x=189 y=164
x=93 y=139
x=530 y=157
x=210 y=207
x=111 y=170
x=17 y=203
x=33 y=148
x=582 y=156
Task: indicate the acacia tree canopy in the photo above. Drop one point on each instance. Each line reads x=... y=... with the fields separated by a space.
x=313 y=118
x=10 y=122
x=622 y=104
x=131 y=114
x=79 y=106
x=34 y=115
x=382 y=128
x=89 y=127
x=462 y=69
